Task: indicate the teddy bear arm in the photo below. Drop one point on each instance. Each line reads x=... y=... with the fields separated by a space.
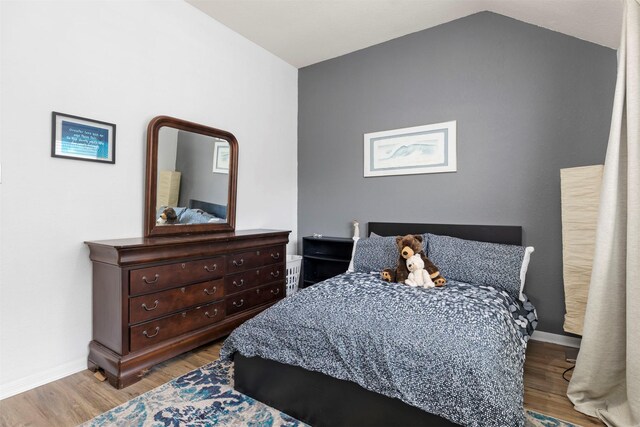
x=439 y=280
x=428 y=265
x=402 y=264
x=388 y=275
x=402 y=275
x=434 y=272
x=411 y=280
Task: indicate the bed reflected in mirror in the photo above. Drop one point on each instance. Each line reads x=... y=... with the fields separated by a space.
x=191 y=178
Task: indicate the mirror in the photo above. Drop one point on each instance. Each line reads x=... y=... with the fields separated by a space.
x=191 y=178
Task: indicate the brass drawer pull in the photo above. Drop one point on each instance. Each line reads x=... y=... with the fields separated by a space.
x=151 y=336
x=215 y=311
x=276 y=256
x=276 y=274
x=152 y=308
x=275 y=291
x=238 y=263
x=212 y=269
x=144 y=278
x=210 y=292
x=239 y=285
x=238 y=305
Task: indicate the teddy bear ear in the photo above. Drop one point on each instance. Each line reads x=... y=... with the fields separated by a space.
x=398 y=239
x=418 y=237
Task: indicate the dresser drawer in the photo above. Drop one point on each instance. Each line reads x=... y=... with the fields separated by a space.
x=160 y=303
x=239 y=282
x=155 y=331
x=254 y=297
x=160 y=277
x=255 y=258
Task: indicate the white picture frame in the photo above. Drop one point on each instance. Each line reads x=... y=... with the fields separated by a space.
x=221 y=156
x=408 y=151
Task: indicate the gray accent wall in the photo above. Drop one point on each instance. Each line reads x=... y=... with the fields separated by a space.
x=527 y=101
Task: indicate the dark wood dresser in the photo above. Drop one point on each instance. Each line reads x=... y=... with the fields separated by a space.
x=154 y=298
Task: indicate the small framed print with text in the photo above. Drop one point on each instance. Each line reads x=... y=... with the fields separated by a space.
x=79 y=138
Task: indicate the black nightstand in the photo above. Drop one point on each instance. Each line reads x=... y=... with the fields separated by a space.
x=324 y=257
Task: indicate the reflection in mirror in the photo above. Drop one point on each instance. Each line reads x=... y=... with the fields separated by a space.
x=191 y=178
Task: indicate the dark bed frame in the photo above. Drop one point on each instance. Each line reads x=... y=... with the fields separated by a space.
x=321 y=400
x=220 y=211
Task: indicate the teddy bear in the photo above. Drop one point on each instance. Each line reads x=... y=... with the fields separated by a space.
x=168 y=216
x=388 y=275
x=408 y=246
x=418 y=276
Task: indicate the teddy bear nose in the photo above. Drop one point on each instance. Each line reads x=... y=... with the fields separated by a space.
x=404 y=252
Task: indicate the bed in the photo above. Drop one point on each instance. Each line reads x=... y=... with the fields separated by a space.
x=197 y=212
x=355 y=350
x=219 y=211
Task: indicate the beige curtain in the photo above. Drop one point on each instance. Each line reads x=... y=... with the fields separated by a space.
x=606 y=382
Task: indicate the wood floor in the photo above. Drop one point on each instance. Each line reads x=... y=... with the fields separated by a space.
x=80 y=397
x=545 y=390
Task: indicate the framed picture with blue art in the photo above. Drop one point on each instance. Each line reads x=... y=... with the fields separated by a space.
x=414 y=150
x=79 y=138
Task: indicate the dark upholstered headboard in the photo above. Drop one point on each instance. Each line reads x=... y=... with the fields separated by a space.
x=506 y=234
x=219 y=211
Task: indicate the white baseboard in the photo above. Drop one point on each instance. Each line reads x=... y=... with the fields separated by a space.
x=40 y=378
x=556 y=339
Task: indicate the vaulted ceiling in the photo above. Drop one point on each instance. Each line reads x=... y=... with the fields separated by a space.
x=304 y=32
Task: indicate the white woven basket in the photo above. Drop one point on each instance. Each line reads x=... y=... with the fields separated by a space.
x=293 y=273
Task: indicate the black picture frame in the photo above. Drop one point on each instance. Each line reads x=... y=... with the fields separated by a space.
x=80 y=138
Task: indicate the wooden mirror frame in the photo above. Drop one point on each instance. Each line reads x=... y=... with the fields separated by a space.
x=150 y=227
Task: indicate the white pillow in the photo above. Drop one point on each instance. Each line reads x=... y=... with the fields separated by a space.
x=523 y=270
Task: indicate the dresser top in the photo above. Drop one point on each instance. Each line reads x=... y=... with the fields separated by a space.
x=140 y=250
x=186 y=239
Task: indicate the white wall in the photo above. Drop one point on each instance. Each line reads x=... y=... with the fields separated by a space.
x=124 y=63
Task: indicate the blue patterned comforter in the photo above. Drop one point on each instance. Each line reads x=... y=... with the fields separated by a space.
x=457 y=351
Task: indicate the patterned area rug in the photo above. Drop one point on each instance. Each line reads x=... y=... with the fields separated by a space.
x=536 y=419
x=205 y=397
